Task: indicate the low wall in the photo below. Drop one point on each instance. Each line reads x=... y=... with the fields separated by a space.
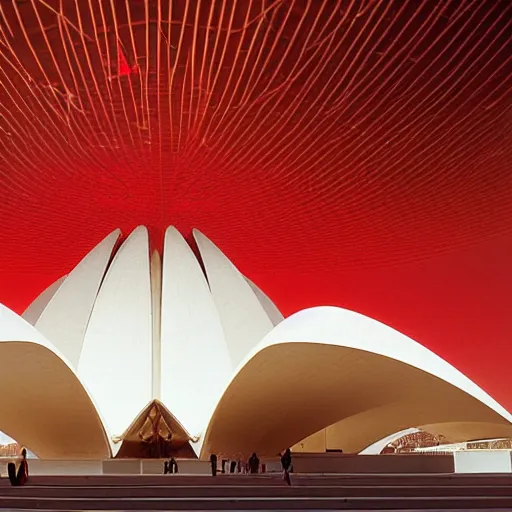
x=122 y=467
x=185 y=467
x=477 y=461
x=65 y=467
x=396 y=463
x=109 y=467
x=480 y=461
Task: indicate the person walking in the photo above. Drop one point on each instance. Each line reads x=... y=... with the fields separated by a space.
x=286 y=464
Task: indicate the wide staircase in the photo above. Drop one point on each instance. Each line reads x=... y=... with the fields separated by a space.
x=261 y=492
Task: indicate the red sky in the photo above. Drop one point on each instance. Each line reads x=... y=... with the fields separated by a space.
x=348 y=153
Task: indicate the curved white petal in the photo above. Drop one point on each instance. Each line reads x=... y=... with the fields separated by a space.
x=156 y=301
x=378 y=446
x=270 y=308
x=116 y=359
x=195 y=363
x=65 y=318
x=342 y=327
x=443 y=404
x=243 y=318
x=42 y=403
x=355 y=432
x=324 y=365
x=36 y=307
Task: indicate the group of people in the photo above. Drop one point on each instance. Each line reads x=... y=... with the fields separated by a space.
x=19 y=476
x=253 y=465
x=234 y=465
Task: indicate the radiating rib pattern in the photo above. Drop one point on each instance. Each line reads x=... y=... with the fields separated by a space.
x=313 y=140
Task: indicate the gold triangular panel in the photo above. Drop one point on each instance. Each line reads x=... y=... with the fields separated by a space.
x=156 y=433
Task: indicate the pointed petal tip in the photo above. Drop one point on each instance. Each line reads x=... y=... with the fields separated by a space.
x=136 y=232
x=171 y=230
x=199 y=235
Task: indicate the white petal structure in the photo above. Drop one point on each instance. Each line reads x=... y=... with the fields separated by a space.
x=116 y=360
x=244 y=319
x=34 y=310
x=327 y=365
x=377 y=447
x=156 y=302
x=195 y=360
x=132 y=352
x=42 y=402
x=269 y=307
x=66 y=316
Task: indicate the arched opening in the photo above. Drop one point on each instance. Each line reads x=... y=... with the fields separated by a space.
x=9 y=447
x=439 y=438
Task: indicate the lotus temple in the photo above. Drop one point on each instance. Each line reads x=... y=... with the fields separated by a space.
x=142 y=353
x=240 y=226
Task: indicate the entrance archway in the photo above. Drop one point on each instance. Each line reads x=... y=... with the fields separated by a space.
x=156 y=434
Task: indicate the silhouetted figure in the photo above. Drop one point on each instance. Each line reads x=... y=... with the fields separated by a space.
x=21 y=476
x=11 y=471
x=286 y=463
x=173 y=466
x=213 y=462
x=166 y=468
x=223 y=466
x=286 y=460
x=254 y=463
x=232 y=466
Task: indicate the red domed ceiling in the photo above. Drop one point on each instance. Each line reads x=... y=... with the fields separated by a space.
x=350 y=152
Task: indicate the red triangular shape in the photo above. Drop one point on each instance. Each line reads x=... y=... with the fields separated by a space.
x=123 y=68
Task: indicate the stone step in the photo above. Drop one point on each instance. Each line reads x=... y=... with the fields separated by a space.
x=252 y=503
x=269 y=480
x=239 y=491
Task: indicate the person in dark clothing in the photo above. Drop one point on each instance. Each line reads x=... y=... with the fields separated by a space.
x=11 y=470
x=173 y=466
x=254 y=463
x=286 y=463
x=21 y=476
x=213 y=462
x=232 y=466
x=166 y=468
x=286 y=460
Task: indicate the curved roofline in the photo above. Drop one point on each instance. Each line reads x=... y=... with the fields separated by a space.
x=347 y=331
